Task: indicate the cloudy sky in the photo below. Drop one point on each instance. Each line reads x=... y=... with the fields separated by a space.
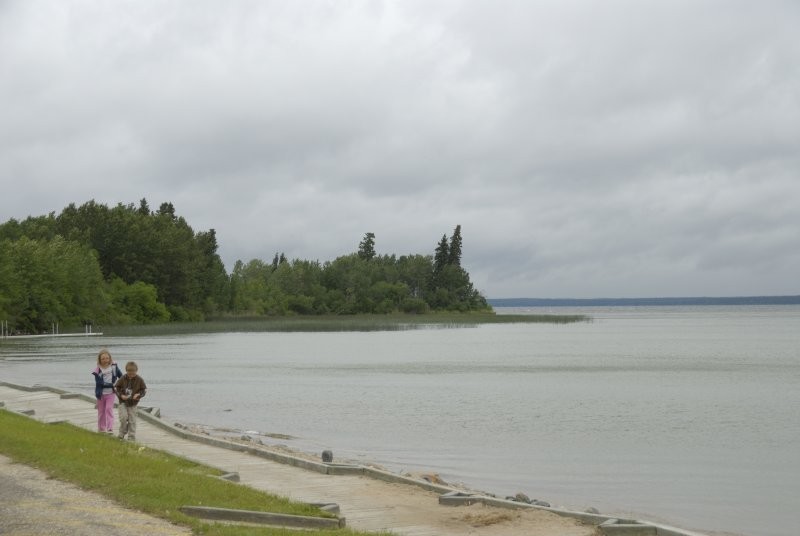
x=587 y=149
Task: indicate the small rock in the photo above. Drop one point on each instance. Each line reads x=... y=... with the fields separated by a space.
x=433 y=478
x=537 y=502
x=327 y=456
x=246 y=438
x=521 y=497
x=592 y=510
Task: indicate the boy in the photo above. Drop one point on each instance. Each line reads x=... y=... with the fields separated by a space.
x=130 y=389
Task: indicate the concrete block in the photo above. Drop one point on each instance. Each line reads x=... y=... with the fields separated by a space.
x=232 y=477
x=399 y=479
x=458 y=498
x=263 y=518
x=616 y=527
x=505 y=503
x=24 y=388
x=332 y=508
x=344 y=469
x=156 y=412
x=666 y=530
x=78 y=396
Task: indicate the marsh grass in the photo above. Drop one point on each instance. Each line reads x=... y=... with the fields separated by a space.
x=152 y=481
x=332 y=323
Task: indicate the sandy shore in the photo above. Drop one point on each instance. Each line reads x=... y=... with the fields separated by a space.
x=475 y=519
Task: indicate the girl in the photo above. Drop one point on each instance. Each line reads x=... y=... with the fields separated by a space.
x=106 y=375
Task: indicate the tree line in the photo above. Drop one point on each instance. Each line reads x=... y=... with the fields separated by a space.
x=128 y=264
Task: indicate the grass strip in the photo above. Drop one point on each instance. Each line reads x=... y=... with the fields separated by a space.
x=331 y=323
x=148 y=480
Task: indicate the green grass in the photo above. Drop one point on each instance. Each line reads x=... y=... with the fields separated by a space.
x=152 y=481
x=328 y=323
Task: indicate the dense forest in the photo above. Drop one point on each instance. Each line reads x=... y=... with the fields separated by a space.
x=128 y=264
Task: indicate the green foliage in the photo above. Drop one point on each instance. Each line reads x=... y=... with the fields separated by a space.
x=359 y=283
x=128 y=265
x=156 y=267
x=450 y=287
x=159 y=248
x=136 y=304
x=414 y=305
x=49 y=282
x=12 y=289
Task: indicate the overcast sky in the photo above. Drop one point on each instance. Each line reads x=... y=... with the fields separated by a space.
x=587 y=148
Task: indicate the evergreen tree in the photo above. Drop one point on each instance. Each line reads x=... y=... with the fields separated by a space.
x=455 y=247
x=441 y=256
x=366 y=248
x=167 y=209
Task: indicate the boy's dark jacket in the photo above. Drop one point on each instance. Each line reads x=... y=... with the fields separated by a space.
x=99 y=385
x=135 y=384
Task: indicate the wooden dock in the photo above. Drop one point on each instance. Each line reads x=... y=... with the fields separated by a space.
x=6 y=336
x=366 y=503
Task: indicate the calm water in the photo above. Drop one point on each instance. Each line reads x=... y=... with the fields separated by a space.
x=685 y=415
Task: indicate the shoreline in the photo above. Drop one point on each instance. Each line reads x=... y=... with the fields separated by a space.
x=369 y=500
x=449 y=495
x=255 y=439
x=272 y=442
x=462 y=492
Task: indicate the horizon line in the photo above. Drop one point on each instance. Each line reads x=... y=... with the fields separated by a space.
x=750 y=298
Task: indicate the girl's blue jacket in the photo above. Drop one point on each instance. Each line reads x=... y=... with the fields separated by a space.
x=116 y=374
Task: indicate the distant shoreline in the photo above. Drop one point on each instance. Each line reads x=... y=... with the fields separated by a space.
x=616 y=302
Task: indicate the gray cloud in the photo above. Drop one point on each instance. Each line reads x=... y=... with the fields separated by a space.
x=612 y=149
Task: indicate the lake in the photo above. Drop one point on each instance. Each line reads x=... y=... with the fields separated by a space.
x=683 y=415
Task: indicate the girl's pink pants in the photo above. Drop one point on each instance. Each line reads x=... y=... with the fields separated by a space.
x=105 y=413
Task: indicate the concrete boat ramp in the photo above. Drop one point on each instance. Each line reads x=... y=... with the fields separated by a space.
x=369 y=499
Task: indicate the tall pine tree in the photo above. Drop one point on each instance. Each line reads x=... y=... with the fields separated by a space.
x=441 y=256
x=455 y=247
x=366 y=249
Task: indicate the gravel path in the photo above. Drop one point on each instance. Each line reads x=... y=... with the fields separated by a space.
x=31 y=503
